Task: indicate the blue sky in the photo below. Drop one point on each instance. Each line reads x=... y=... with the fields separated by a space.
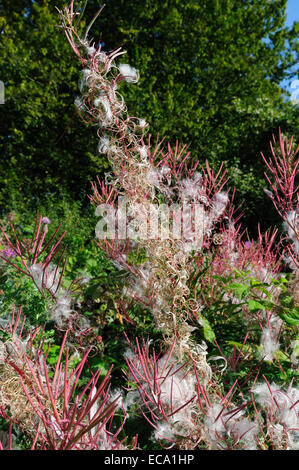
x=292 y=15
x=292 y=12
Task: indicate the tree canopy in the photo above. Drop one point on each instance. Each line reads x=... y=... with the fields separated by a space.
x=210 y=77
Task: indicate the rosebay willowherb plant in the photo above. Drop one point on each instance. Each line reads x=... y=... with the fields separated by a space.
x=45 y=402
x=43 y=261
x=156 y=204
x=283 y=180
x=227 y=314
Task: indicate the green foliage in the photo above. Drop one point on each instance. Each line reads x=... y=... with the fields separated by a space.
x=260 y=297
x=208 y=332
x=19 y=290
x=230 y=318
x=45 y=148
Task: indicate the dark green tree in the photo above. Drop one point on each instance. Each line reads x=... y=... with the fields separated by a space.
x=44 y=147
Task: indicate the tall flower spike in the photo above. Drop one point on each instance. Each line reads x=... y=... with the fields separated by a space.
x=35 y=256
x=283 y=167
x=225 y=425
x=283 y=180
x=43 y=259
x=164 y=391
x=281 y=410
x=145 y=175
x=48 y=404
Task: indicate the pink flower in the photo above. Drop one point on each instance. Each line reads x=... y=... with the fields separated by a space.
x=8 y=252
